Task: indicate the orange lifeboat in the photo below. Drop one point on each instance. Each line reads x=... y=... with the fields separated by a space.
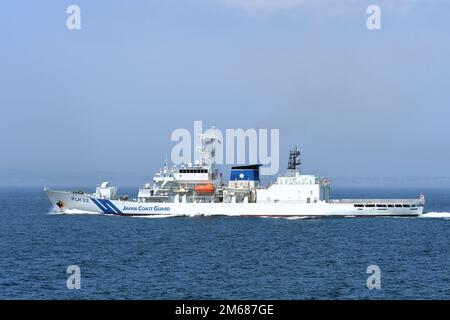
x=204 y=188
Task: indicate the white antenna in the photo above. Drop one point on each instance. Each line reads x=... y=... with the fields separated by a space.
x=166 y=165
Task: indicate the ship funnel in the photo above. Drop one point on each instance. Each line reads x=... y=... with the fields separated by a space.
x=245 y=176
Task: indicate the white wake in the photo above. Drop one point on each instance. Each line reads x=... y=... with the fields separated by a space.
x=436 y=215
x=300 y=217
x=287 y=218
x=74 y=211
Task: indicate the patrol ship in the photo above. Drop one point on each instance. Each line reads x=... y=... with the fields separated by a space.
x=198 y=189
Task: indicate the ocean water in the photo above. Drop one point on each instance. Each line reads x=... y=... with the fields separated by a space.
x=222 y=257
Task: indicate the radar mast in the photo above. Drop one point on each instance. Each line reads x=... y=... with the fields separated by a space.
x=294 y=162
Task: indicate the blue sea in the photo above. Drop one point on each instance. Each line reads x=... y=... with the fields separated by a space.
x=222 y=257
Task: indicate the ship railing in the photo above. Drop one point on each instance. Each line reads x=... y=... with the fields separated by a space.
x=189 y=199
x=201 y=199
x=375 y=201
x=289 y=201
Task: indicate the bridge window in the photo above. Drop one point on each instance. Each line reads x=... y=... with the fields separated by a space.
x=193 y=171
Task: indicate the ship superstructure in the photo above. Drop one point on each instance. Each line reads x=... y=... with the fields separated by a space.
x=198 y=189
x=198 y=182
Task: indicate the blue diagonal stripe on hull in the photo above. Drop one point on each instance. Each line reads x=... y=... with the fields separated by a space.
x=113 y=206
x=105 y=205
x=98 y=204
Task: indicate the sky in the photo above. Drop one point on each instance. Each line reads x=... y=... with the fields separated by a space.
x=358 y=102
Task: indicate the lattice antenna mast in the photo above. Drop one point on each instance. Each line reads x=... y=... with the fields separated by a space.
x=208 y=147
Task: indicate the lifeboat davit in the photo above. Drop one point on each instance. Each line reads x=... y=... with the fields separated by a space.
x=204 y=188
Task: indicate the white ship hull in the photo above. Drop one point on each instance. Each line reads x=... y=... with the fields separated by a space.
x=66 y=201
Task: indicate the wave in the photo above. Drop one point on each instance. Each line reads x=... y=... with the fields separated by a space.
x=436 y=215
